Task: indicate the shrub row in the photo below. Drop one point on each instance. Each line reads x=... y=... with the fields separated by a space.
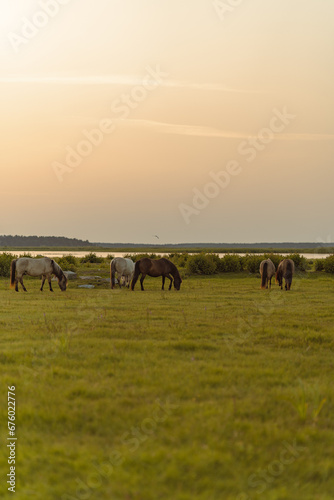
x=201 y=263
x=231 y=263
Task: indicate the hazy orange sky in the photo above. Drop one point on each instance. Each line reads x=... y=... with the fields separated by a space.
x=194 y=120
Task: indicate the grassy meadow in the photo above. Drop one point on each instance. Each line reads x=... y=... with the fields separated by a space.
x=220 y=391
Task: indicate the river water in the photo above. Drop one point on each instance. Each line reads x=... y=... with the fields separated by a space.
x=54 y=253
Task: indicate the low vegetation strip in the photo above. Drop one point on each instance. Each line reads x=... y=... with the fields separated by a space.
x=196 y=264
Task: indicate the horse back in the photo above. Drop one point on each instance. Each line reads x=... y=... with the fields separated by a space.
x=34 y=267
x=289 y=268
x=122 y=265
x=286 y=268
x=154 y=267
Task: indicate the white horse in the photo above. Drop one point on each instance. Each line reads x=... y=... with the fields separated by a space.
x=44 y=267
x=124 y=269
x=267 y=271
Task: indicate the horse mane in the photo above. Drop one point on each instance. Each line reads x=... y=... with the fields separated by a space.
x=175 y=271
x=57 y=270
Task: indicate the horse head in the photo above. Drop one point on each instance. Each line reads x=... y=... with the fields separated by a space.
x=177 y=282
x=62 y=282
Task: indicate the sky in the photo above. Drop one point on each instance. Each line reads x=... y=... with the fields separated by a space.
x=193 y=120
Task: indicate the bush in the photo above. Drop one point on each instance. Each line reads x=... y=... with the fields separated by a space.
x=300 y=262
x=91 y=258
x=179 y=259
x=329 y=264
x=68 y=262
x=231 y=263
x=219 y=263
x=319 y=264
x=135 y=257
x=5 y=261
x=251 y=263
x=201 y=264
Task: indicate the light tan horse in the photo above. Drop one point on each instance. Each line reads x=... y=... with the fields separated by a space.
x=267 y=271
x=285 y=270
x=124 y=269
x=44 y=267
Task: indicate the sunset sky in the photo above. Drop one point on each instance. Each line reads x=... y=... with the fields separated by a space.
x=193 y=120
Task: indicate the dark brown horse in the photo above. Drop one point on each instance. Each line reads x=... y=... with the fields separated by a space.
x=285 y=270
x=158 y=267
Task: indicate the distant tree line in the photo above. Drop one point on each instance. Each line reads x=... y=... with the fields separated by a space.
x=41 y=241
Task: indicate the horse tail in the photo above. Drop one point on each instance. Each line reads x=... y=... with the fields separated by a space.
x=135 y=275
x=12 y=273
x=290 y=267
x=112 y=274
x=264 y=275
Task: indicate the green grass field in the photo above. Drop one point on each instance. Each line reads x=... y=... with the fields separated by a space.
x=220 y=391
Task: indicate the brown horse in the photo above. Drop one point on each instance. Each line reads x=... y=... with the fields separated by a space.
x=158 y=267
x=285 y=270
x=267 y=271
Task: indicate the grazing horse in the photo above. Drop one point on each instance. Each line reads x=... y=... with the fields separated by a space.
x=157 y=267
x=285 y=270
x=267 y=271
x=44 y=267
x=124 y=269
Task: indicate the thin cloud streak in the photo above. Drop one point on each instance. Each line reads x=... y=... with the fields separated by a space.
x=121 y=80
x=198 y=131
x=178 y=129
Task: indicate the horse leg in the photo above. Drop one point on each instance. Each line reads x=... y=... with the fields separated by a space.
x=163 y=282
x=43 y=281
x=141 y=281
x=16 y=285
x=112 y=278
x=21 y=281
x=134 y=279
x=49 y=280
x=171 y=281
